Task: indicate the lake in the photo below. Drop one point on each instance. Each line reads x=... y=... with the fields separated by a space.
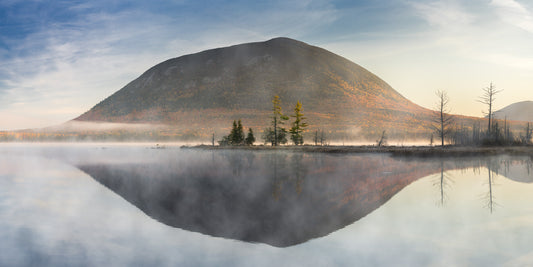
x=147 y=205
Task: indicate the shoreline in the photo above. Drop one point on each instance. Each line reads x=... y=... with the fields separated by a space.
x=414 y=151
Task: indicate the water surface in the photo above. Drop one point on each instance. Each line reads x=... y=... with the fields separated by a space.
x=137 y=205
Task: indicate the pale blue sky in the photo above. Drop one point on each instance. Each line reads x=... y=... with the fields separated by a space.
x=60 y=58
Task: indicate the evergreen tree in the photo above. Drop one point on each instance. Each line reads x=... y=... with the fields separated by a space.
x=250 y=138
x=298 y=126
x=233 y=134
x=235 y=137
x=282 y=136
x=268 y=136
x=238 y=133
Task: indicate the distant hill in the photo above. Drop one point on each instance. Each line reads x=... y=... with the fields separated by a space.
x=204 y=92
x=520 y=111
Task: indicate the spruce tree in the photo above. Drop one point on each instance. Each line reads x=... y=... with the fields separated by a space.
x=250 y=139
x=232 y=137
x=239 y=139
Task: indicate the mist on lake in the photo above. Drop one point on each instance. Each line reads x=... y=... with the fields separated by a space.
x=145 y=205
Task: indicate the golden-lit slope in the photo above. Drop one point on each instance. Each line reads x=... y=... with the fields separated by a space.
x=204 y=92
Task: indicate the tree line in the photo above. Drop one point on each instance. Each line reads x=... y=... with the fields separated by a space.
x=498 y=132
x=276 y=134
x=495 y=134
x=236 y=136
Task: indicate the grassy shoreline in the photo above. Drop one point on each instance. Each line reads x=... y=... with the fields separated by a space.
x=415 y=151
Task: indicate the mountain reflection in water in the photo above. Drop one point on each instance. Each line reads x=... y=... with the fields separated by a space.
x=281 y=199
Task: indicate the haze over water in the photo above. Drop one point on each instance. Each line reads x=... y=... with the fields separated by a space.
x=137 y=206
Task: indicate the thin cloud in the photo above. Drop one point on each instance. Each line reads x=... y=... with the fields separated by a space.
x=444 y=14
x=514 y=13
x=94 y=48
x=72 y=64
x=478 y=34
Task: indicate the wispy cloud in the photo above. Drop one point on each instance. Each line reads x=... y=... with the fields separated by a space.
x=67 y=56
x=70 y=67
x=444 y=14
x=71 y=64
x=478 y=33
x=514 y=13
x=455 y=44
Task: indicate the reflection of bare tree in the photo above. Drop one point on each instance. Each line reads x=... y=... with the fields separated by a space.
x=528 y=166
x=443 y=183
x=506 y=164
x=492 y=169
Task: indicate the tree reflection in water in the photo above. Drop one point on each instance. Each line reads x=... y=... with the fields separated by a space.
x=513 y=168
x=489 y=197
x=443 y=183
x=277 y=198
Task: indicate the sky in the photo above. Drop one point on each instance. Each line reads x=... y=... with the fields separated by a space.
x=60 y=58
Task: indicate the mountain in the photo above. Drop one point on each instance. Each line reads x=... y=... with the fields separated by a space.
x=204 y=92
x=520 y=111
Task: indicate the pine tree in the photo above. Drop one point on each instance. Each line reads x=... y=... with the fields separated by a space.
x=232 y=137
x=298 y=126
x=239 y=138
x=236 y=136
x=250 y=139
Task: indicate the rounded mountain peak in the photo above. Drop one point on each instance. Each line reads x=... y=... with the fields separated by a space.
x=238 y=82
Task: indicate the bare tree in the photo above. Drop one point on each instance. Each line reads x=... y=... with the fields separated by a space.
x=443 y=120
x=488 y=99
x=320 y=138
x=529 y=133
x=526 y=139
x=382 y=141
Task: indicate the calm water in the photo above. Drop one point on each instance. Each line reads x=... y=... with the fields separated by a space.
x=135 y=205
